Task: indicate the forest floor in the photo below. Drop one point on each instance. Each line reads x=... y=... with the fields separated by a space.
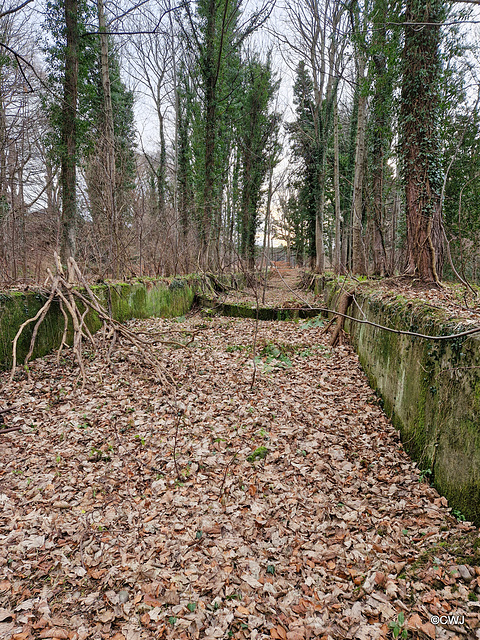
x=261 y=494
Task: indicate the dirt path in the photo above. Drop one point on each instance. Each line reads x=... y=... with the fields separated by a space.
x=282 y=290
x=220 y=510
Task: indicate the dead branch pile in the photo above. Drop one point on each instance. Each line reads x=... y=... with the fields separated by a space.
x=75 y=303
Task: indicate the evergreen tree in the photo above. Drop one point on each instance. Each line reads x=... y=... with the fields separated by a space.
x=69 y=59
x=384 y=52
x=124 y=141
x=258 y=147
x=302 y=135
x=77 y=134
x=214 y=39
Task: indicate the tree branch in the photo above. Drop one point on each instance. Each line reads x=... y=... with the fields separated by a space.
x=15 y=9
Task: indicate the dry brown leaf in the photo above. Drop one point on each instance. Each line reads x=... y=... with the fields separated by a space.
x=6 y=614
x=414 y=622
x=54 y=632
x=428 y=629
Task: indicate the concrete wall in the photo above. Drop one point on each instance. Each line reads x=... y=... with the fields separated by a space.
x=430 y=390
x=141 y=299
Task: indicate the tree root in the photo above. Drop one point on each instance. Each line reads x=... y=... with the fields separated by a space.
x=344 y=302
x=62 y=289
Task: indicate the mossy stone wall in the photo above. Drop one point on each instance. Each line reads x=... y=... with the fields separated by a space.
x=262 y=313
x=430 y=389
x=125 y=301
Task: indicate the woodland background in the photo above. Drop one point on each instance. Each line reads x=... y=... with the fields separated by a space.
x=348 y=131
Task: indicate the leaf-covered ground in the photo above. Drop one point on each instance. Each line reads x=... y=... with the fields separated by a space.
x=217 y=509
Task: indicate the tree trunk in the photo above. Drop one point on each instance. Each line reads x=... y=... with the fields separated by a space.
x=210 y=132
x=380 y=129
x=109 y=133
x=177 y=111
x=358 y=250
x=343 y=304
x=162 y=169
x=68 y=174
x=337 y=261
x=422 y=163
x=378 y=162
x=395 y=216
x=320 y=207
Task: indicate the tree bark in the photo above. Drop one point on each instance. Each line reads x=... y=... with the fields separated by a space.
x=210 y=132
x=420 y=140
x=358 y=251
x=68 y=174
x=320 y=207
x=395 y=217
x=109 y=133
x=343 y=304
x=336 y=183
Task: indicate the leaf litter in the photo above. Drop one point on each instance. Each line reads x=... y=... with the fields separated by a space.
x=212 y=509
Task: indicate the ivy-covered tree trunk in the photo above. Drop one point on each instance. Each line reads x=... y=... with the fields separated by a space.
x=422 y=165
x=384 y=50
x=184 y=178
x=319 y=216
x=109 y=139
x=68 y=175
x=259 y=150
x=337 y=256
x=210 y=79
x=358 y=250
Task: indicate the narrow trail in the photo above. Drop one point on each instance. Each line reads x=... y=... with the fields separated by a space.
x=217 y=509
x=281 y=290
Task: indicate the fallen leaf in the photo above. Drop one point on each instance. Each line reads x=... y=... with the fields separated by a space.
x=428 y=629
x=414 y=622
x=6 y=614
x=54 y=632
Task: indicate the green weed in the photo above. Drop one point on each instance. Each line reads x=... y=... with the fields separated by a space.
x=426 y=474
x=258 y=454
x=317 y=321
x=397 y=627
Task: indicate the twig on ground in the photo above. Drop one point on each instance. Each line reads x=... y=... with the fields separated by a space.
x=8 y=409
x=175 y=441
x=9 y=430
x=227 y=466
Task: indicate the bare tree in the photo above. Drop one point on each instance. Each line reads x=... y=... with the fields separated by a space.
x=316 y=36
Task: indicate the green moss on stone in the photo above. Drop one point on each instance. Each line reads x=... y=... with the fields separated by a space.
x=431 y=390
x=124 y=301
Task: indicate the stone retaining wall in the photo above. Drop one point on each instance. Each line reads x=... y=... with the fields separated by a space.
x=430 y=389
x=141 y=299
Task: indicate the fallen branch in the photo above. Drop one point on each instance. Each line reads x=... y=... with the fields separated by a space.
x=71 y=301
x=9 y=430
x=414 y=334
x=8 y=409
x=227 y=466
